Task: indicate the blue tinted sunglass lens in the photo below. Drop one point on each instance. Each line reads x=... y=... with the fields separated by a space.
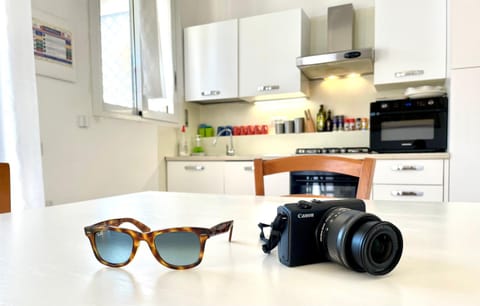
x=178 y=248
x=114 y=247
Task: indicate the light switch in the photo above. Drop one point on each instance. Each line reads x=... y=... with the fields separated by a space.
x=82 y=121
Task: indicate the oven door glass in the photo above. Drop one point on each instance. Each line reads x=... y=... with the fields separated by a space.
x=323 y=183
x=407 y=130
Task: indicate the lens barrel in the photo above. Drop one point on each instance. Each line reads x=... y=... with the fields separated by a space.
x=360 y=241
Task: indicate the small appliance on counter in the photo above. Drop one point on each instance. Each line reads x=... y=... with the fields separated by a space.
x=409 y=125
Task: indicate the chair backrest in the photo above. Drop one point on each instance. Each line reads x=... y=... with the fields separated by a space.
x=5 y=205
x=361 y=168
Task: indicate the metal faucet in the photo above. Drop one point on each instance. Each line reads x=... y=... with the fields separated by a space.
x=230 y=149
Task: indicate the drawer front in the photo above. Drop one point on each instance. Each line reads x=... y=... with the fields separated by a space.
x=428 y=172
x=419 y=193
x=202 y=177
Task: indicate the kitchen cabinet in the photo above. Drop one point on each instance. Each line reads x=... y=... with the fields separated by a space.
x=464 y=106
x=239 y=177
x=463 y=141
x=410 y=180
x=229 y=177
x=195 y=176
x=268 y=47
x=211 y=61
x=410 y=41
x=277 y=184
x=464 y=39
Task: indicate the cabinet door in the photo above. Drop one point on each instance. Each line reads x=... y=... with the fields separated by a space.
x=211 y=61
x=269 y=45
x=239 y=178
x=202 y=177
x=410 y=40
x=277 y=184
x=463 y=143
x=465 y=42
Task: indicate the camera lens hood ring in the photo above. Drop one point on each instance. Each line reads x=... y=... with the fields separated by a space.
x=363 y=247
x=336 y=231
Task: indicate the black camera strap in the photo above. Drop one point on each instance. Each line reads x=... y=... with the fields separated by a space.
x=278 y=225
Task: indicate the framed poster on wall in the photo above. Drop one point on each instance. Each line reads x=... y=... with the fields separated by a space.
x=53 y=45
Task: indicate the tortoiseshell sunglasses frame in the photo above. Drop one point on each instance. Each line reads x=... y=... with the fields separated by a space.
x=149 y=237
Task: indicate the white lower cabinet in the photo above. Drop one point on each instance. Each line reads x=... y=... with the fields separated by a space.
x=277 y=184
x=230 y=177
x=193 y=176
x=239 y=178
x=421 y=180
x=409 y=180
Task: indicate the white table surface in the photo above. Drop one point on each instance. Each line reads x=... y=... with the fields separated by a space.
x=45 y=258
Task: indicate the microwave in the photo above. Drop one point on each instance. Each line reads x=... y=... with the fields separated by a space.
x=409 y=125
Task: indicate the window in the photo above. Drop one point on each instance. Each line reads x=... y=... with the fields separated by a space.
x=133 y=69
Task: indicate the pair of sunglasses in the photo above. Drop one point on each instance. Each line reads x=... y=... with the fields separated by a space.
x=176 y=248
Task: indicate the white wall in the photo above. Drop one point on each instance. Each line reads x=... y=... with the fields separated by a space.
x=111 y=156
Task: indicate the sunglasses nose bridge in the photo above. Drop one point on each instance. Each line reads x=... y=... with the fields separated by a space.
x=149 y=239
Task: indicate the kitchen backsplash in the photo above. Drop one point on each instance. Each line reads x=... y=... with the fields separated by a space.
x=349 y=97
x=285 y=144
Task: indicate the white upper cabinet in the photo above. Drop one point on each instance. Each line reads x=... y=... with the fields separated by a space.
x=268 y=47
x=410 y=40
x=465 y=42
x=211 y=61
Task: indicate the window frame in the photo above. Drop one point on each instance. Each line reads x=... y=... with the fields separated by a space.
x=138 y=111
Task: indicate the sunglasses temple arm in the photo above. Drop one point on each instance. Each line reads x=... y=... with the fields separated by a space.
x=222 y=228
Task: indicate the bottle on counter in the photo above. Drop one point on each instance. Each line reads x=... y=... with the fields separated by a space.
x=358 y=124
x=329 y=122
x=198 y=149
x=183 y=149
x=321 y=119
x=364 y=124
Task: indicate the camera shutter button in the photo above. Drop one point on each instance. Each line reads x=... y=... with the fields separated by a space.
x=304 y=204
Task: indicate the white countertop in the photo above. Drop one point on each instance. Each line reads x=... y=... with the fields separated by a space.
x=444 y=155
x=45 y=258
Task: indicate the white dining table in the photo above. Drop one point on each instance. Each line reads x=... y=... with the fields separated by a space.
x=46 y=259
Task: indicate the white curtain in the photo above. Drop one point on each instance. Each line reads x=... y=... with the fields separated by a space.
x=19 y=118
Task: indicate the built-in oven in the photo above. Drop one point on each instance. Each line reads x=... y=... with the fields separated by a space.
x=323 y=183
x=409 y=125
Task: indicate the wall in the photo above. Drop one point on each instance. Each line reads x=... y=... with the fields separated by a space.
x=118 y=156
x=350 y=97
x=109 y=157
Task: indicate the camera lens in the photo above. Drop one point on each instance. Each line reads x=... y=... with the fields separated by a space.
x=360 y=241
x=382 y=248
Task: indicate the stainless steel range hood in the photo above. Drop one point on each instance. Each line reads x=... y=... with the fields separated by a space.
x=341 y=59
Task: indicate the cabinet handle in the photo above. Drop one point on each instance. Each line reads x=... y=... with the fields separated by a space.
x=401 y=193
x=248 y=168
x=407 y=168
x=210 y=93
x=268 y=87
x=406 y=73
x=194 y=168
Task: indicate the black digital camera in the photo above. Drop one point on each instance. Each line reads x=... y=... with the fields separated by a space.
x=337 y=230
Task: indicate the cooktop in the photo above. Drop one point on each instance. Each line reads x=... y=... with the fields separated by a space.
x=333 y=150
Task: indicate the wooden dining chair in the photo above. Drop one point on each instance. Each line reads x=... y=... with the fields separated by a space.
x=5 y=205
x=361 y=168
